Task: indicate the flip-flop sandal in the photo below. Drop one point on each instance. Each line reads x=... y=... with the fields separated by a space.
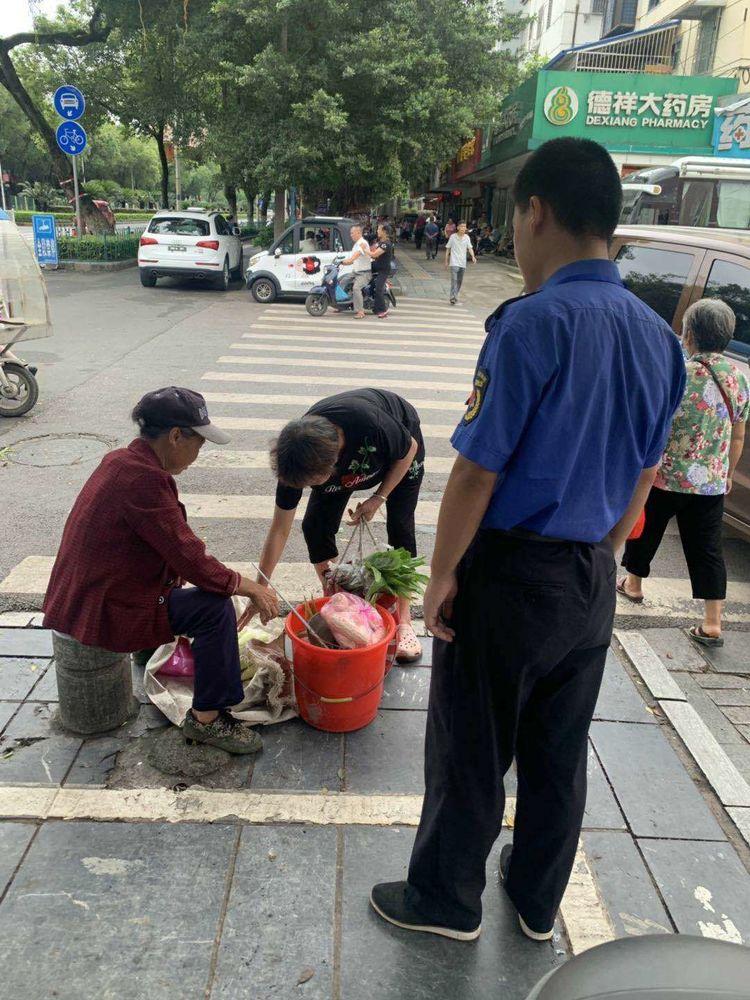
x=697 y=634
x=409 y=647
x=620 y=588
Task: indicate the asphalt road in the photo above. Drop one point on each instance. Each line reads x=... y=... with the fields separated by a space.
x=113 y=340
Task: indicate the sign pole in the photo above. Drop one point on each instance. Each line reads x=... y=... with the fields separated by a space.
x=75 y=194
x=2 y=186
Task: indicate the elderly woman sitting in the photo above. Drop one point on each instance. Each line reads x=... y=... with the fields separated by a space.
x=126 y=548
x=695 y=474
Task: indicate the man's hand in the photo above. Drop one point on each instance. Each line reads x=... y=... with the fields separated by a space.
x=263 y=601
x=365 y=511
x=438 y=606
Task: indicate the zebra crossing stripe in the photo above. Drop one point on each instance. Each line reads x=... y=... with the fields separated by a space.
x=340 y=381
x=373 y=366
x=235 y=506
x=356 y=327
x=274 y=425
x=223 y=458
x=404 y=335
x=270 y=399
x=346 y=351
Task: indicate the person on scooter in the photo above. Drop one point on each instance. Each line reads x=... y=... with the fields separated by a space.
x=382 y=255
x=127 y=548
x=360 y=258
x=364 y=439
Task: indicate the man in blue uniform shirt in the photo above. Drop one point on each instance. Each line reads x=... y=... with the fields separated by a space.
x=573 y=397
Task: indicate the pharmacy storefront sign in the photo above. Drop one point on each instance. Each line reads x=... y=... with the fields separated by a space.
x=630 y=112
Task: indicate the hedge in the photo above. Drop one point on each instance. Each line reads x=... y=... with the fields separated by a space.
x=23 y=218
x=103 y=247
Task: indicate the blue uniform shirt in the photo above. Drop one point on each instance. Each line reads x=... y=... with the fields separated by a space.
x=574 y=394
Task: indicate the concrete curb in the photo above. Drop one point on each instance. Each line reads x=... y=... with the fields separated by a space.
x=96 y=265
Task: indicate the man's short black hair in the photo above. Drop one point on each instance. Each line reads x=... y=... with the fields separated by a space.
x=578 y=180
x=305 y=449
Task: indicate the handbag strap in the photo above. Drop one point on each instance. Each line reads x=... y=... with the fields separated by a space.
x=720 y=387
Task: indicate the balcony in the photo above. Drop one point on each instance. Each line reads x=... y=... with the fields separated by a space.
x=647 y=51
x=688 y=10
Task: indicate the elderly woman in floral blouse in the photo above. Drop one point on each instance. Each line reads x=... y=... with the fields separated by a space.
x=696 y=471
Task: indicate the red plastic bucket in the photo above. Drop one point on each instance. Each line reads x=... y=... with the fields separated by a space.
x=338 y=690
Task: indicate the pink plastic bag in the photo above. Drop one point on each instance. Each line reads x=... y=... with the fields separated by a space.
x=180 y=663
x=354 y=622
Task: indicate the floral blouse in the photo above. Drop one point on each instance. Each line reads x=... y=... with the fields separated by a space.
x=696 y=459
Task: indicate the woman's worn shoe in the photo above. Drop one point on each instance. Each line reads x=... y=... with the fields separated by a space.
x=389 y=902
x=409 y=647
x=697 y=634
x=225 y=732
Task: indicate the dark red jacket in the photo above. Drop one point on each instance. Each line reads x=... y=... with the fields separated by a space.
x=125 y=544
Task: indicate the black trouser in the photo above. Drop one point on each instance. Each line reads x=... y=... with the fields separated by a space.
x=699 y=520
x=380 y=278
x=533 y=622
x=324 y=512
x=432 y=247
x=418 y=237
x=210 y=621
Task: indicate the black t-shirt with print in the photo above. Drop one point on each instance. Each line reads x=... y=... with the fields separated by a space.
x=378 y=427
x=383 y=262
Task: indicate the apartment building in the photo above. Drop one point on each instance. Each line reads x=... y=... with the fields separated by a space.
x=558 y=25
x=714 y=36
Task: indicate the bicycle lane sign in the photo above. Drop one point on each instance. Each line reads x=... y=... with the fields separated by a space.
x=45 y=239
x=71 y=138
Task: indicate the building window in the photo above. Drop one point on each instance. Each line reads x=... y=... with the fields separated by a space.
x=705 y=47
x=539 y=21
x=549 y=14
x=652 y=4
x=598 y=6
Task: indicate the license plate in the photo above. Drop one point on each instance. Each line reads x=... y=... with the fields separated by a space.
x=177 y=246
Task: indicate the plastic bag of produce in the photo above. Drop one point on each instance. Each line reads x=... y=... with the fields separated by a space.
x=180 y=661
x=353 y=621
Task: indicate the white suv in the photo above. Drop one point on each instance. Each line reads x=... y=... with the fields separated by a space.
x=194 y=243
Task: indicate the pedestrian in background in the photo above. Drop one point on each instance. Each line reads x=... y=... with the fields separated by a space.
x=431 y=232
x=360 y=258
x=419 y=227
x=382 y=255
x=450 y=228
x=456 y=250
x=574 y=393
x=695 y=473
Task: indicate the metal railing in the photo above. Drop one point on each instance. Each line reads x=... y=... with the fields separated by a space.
x=645 y=52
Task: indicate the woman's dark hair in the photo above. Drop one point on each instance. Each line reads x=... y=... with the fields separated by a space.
x=152 y=432
x=578 y=180
x=306 y=449
x=710 y=323
x=385 y=226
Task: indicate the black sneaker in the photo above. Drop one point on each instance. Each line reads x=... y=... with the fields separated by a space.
x=502 y=875
x=388 y=899
x=225 y=732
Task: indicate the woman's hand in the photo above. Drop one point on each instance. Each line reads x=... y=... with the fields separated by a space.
x=366 y=510
x=438 y=606
x=263 y=601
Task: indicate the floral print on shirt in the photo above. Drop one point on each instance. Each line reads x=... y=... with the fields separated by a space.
x=696 y=458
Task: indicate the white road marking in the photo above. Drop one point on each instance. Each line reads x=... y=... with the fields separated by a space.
x=423 y=307
x=646 y=661
x=391 y=331
x=221 y=458
x=341 y=381
x=586 y=920
x=216 y=505
x=266 y=399
x=375 y=366
x=354 y=328
x=346 y=351
x=273 y=424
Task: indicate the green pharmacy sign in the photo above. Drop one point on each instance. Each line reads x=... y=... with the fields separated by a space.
x=629 y=112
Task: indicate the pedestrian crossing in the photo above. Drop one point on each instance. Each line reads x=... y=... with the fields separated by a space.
x=276 y=366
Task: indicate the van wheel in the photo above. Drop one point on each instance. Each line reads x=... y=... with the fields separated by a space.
x=148 y=280
x=263 y=290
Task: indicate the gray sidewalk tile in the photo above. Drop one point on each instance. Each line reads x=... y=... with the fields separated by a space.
x=705 y=886
x=731 y=658
x=734 y=696
x=296 y=757
x=381 y=961
x=711 y=681
x=739 y=754
x=95 y=760
x=387 y=755
x=676 y=651
x=279 y=921
x=35 y=720
x=625 y=885
x=652 y=787
x=41 y=761
x=602 y=811
x=407 y=688
x=644 y=659
x=704 y=705
x=25 y=642
x=127 y=909
x=7 y=710
x=46 y=688
x=14 y=838
x=740 y=716
x=19 y=675
x=619 y=699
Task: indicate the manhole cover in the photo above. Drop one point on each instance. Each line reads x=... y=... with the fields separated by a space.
x=58 y=449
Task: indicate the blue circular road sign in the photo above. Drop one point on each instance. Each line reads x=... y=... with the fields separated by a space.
x=69 y=103
x=71 y=138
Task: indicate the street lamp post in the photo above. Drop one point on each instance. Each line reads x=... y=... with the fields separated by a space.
x=2 y=186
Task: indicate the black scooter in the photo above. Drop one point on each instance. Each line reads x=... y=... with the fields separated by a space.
x=338 y=294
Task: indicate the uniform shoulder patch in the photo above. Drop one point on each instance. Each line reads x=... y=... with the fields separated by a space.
x=476 y=399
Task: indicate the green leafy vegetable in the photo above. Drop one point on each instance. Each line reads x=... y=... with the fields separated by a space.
x=395 y=572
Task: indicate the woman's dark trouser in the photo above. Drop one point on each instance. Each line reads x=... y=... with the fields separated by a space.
x=210 y=621
x=418 y=237
x=533 y=622
x=380 y=279
x=699 y=519
x=432 y=246
x=325 y=510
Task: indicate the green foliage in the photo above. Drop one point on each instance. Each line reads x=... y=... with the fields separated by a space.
x=68 y=218
x=396 y=572
x=105 y=247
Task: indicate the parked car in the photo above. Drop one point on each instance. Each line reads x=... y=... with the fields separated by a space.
x=294 y=262
x=193 y=243
x=670 y=267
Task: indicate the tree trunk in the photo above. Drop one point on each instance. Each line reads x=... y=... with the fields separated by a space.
x=230 y=193
x=279 y=214
x=164 y=164
x=250 y=195
x=264 y=213
x=92 y=218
